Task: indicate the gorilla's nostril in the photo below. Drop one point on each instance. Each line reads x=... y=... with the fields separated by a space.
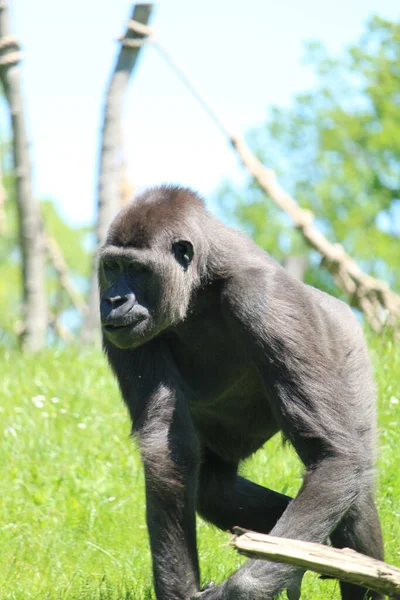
x=117 y=301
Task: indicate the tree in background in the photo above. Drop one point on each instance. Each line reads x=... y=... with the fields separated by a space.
x=31 y=235
x=39 y=253
x=75 y=249
x=10 y=265
x=111 y=167
x=337 y=150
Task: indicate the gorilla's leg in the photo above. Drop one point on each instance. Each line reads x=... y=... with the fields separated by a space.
x=228 y=500
x=360 y=530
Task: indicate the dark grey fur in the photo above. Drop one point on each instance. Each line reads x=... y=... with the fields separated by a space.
x=218 y=348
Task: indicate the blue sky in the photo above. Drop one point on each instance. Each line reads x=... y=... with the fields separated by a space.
x=243 y=56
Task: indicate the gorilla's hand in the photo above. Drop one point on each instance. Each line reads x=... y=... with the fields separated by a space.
x=242 y=586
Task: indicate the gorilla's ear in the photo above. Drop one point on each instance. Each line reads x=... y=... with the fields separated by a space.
x=183 y=251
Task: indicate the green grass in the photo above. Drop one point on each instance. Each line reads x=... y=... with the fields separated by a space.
x=71 y=485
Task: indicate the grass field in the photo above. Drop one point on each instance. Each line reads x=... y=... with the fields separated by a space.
x=71 y=485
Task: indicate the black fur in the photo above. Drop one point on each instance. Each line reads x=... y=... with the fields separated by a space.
x=216 y=348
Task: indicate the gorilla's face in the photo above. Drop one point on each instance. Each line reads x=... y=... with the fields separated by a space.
x=143 y=291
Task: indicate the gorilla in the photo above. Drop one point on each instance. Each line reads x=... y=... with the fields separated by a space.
x=216 y=348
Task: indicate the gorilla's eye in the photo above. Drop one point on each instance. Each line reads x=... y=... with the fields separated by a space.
x=111 y=266
x=183 y=252
x=138 y=267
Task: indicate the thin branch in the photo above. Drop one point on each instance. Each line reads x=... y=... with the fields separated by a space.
x=61 y=331
x=59 y=264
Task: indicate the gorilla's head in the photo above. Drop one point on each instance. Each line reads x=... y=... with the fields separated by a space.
x=153 y=259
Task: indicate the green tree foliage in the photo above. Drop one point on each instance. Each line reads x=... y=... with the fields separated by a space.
x=337 y=150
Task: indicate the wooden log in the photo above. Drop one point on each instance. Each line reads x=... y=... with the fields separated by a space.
x=344 y=564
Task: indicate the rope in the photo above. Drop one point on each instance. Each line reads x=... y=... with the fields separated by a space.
x=10 y=51
x=11 y=59
x=190 y=87
x=133 y=43
x=139 y=28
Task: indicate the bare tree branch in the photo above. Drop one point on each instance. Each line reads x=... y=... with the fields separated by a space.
x=59 y=264
x=61 y=331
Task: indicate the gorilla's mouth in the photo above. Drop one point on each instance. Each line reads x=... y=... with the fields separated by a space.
x=111 y=327
x=114 y=327
x=126 y=335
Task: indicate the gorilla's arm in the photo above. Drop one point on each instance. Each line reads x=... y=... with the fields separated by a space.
x=170 y=454
x=286 y=338
x=170 y=462
x=228 y=500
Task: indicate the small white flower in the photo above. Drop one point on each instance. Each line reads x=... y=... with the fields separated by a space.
x=38 y=401
x=111 y=499
x=63 y=411
x=82 y=425
x=394 y=400
x=55 y=400
x=10 y=431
